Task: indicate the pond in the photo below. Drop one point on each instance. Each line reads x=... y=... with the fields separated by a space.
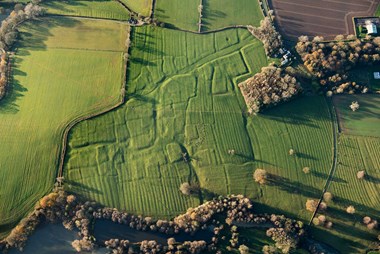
x=105 y=230
x=52 y=238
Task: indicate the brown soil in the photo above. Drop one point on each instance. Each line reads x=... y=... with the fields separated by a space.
x=326 y=18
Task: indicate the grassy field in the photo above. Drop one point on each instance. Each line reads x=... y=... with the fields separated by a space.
x=365 y=121
x=57 y=77
x=140 y=6
x=349 y=234
x=168 y=12
x=183 y=97
x=108 y=9
x=365 y=76
x=222 y=13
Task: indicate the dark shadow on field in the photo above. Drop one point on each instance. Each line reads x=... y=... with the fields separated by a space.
x=8 y=105
x=142 y=98
x=33 y=35
x=367 y=105
x=327 y=237
x=289 y=112
x=305 y=156
x=372 y=179
x=293 y=187
x=160 y=14
x=83 y=188
x=325 y=176
x=210 y=15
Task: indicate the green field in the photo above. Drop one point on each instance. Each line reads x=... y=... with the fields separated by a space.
x=169 y=13
x=223 y=13
x=365 y=76
x=365 y=121
x=183 y=98
x=349 y=234
x=140 y=6
x=108 y=9
x=57 y=77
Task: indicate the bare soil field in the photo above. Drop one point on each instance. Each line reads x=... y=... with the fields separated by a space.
x=326 y=18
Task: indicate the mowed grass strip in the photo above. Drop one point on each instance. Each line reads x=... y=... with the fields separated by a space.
x=224 y=13
x=142 y=7
x=365 y=121
x=349 y=234
x=107 y=9
x=50 y=88
x=182 y=14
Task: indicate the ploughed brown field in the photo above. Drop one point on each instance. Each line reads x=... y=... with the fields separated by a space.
x=326 y=18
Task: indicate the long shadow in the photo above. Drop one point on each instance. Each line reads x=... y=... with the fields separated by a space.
x=82 y=187
x=293 y=187
x=325 y=176
x=372 y=179
x=210 y=15
x=32 y=36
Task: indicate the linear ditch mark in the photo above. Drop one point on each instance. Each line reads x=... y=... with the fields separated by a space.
x=76 y=121
x=335 y=126
x=152 y=11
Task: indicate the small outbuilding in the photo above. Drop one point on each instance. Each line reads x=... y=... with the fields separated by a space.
x=371 y=27
x=376 y=75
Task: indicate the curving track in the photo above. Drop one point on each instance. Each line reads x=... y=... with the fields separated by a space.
x=326 y=18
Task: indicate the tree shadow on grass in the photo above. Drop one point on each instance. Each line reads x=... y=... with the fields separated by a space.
x=325 y=176
x=77 y=186
x=293 y=187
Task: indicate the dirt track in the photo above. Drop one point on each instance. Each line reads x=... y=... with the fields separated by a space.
x=327 y=18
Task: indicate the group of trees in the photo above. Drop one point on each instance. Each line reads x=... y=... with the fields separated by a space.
x=8 y=29
x=330 y=61
x=3 y=74
x=268 y=88
x=269 y=36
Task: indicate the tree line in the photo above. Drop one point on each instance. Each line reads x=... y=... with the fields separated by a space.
x=330 y=61
x=9 y=34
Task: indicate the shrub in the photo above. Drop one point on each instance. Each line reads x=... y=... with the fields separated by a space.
x=306 y=170
x=311 y=205
x=350 y=209
x=367 y=220
x=327 y=196
x=243 y=249
x=260 y=176
x=360 y=174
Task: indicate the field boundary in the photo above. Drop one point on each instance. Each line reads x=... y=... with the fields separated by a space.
x=73 y=123
x=336 y=134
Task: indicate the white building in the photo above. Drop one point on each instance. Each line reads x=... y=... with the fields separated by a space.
x=376 y=75
x=371 y=27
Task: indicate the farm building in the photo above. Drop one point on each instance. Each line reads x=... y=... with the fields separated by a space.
x=371 y=27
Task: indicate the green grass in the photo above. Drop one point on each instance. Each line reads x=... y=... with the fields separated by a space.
x=364 y=76
x=51 y=86
x=183 y=95
x=133 y=161
x=140 y=6
x=223 y=13
x=108 y=9
x=365 y=121
x=349 y=234
x=181 y=14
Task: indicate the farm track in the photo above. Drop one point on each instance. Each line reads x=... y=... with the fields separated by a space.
x=334 y=165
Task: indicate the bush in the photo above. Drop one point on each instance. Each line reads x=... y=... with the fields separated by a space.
x=350 y=209
x=260 y=176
